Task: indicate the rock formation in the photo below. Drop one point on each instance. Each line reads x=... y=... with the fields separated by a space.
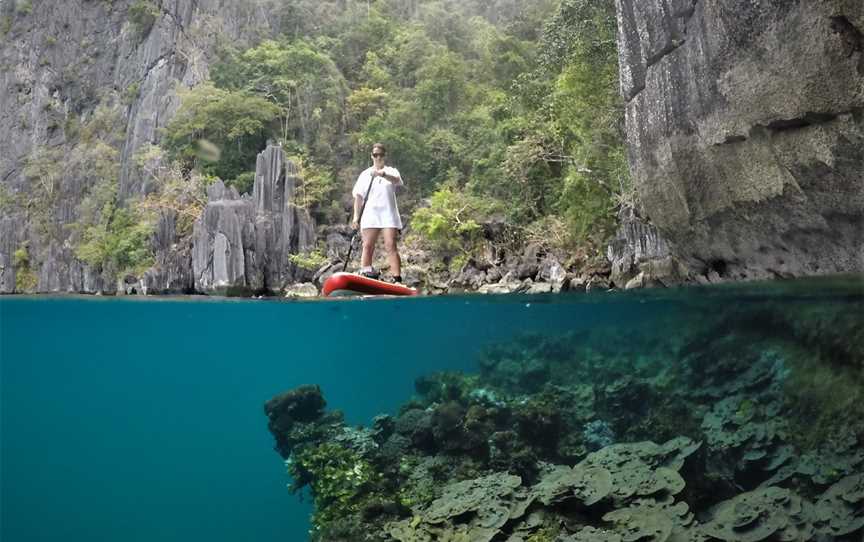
x=737 y=427
x=59 y=61
x=244 y=244
x=745 y=129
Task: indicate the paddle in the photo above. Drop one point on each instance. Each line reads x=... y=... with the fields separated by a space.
x=354 y=235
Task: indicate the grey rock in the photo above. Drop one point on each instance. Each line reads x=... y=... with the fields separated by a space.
x=539 y=288
x=636 y=244
x=577 y=284
x=325 y=272
x=172 y=272
x=597 y=284
x=493 y=274
x=62 y=272
x=282 y=228
x=551 y=271
x=503 y=287
x=337 y=240
x=468 y=278
x=301 y=291
x=8 y=245
x=636 y=282
x=242 y=244
x=527 y=270
x=218 y=258
x=412 y=276
x=745 y=133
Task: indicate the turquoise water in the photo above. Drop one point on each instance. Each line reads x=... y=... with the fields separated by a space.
x=142 y=419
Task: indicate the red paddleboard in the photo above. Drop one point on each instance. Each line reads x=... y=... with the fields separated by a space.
x=341 y=284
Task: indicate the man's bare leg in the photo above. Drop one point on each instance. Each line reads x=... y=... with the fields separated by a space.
x=393 y=258
x=370 y=237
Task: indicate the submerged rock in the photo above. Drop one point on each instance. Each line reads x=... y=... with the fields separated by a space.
x=840 y=511
x=760 y=514
x=523 y=451
x=298 y=417
x=472 y=510
x=587 y=484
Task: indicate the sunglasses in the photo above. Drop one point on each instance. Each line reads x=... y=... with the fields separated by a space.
x=378 y=154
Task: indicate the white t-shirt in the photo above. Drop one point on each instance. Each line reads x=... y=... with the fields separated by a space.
x=381 y=210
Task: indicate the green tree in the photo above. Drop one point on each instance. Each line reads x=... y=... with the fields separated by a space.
x=588 y=115
x=441 y=85
x=316 y=185
x=220 y=132
x=305 y=86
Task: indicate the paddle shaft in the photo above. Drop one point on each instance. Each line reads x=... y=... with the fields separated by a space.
x=360 y=218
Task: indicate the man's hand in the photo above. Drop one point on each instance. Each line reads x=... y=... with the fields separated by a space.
x=355 y=224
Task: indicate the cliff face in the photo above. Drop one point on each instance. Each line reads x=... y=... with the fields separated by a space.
x=59 y=63
x=745 y=128
x=745 y=124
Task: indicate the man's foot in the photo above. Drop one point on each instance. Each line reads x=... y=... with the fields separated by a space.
x=369 y=273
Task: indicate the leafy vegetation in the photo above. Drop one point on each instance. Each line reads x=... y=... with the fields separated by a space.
x=493 y=110
x=317 y=185
x=452 y=222
x=219 y=132
x=311 y=261
x=23 y=7
x=483 y=105
x=25 y=278
x=183 y=195
x=113 y=237
x=109 y=235
x=44 y=169
x=5 y=24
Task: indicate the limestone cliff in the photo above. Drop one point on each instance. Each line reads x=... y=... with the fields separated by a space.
x=745 y=129
x=59 y=63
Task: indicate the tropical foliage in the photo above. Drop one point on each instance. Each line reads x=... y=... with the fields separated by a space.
x=487 y=107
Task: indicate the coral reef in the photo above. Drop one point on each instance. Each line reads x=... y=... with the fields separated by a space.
x=703 y=435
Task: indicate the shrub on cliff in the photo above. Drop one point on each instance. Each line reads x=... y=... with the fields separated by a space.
x=142 y=14
x=452 y=222
x=113 y=237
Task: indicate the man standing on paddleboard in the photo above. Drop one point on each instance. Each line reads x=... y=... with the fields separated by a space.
x=376 y=186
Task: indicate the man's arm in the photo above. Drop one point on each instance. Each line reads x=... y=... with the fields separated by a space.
x=395 y=179
x=358 y=204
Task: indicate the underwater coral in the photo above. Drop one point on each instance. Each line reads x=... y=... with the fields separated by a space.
x=745 y=424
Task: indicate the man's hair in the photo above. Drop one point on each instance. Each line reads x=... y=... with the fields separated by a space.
x=379 y=146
